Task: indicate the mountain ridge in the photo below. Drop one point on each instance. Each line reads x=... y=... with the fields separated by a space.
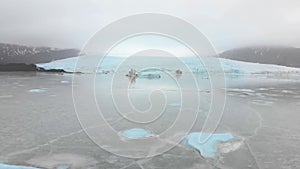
x=277 y=55
x=14 y=54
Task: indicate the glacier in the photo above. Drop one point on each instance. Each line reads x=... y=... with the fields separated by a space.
x=6 y=166
x=110 y=64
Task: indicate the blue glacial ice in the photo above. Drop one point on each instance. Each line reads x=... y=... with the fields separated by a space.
x=208 y=148
x=149 y=75
x=37 y=90
x=136 y=133
x=6 y=166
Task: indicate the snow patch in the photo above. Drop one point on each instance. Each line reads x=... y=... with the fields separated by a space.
x=225 y=148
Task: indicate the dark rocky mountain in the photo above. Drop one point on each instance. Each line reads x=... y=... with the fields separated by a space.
x=18 y=67
x=31 y=55
x=286 y=56
x=13 y=67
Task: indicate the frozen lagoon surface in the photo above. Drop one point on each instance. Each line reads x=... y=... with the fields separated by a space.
x=261 y=112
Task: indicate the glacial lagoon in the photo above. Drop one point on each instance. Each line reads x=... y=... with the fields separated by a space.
x=259 y=126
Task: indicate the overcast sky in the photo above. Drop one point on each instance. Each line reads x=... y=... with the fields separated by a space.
x=227 y=23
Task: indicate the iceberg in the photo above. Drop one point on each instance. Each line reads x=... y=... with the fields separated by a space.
x=208 y=148
x=136 y=133
x=37 y=90
x=6 y=166
x=148 y=75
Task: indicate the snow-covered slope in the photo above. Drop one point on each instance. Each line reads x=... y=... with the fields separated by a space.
x=111 y=64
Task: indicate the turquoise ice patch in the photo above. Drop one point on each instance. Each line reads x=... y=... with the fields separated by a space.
x=136 y=133
x=208 y=148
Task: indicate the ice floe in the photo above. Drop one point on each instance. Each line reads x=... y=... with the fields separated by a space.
x=175 y=104
x=240 y=90
x=288 y=92
x=208 y=148
x=135 y=133
x=37 y=90
x=228 y=147
x=64 y=81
